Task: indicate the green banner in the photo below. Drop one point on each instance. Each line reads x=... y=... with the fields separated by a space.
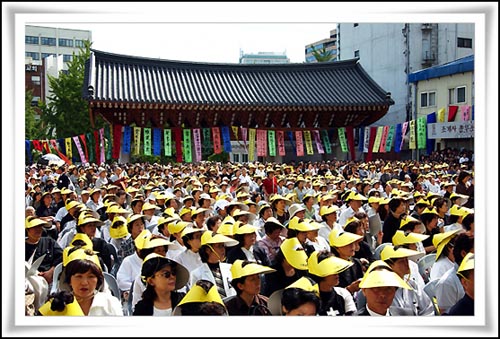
x=186 y=147
x=167 y=142
x=108 y=141
x=271 y=140
x=422 y=132
x=390 y=138
x=343 y=140
x=206 y=144
x=91 y=146
x=147 y=141
x=137 y=140
x=326 y=141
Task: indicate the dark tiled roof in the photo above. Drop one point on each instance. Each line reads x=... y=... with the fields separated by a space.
x=120 y=78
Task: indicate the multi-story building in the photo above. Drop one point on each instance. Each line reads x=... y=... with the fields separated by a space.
x=328 y=45
x=389 y=52
x=263 y=58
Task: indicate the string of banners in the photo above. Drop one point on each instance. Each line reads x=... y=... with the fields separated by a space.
x=190 y=144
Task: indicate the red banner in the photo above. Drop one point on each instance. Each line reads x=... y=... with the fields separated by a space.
x=373 y=134
x=281 y=143
x=350 y=141
x=97 y=147
x=61 y=155
x=82 y=137
x=216 y=137
x=37 y=145
x=46 y=147
x=452 y=113
x=117 y=140
x=300 y=143
x=261 y=143
x=385 y=133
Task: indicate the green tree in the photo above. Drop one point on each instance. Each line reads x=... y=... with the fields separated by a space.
x=66 y=114
x=322 y=55
x=31 y=129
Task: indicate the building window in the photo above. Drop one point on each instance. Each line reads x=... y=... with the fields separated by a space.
x=461 y=97
x=33 y=55
x=35 y=80
x=427 y=99
x=44 y=55
x=464 y=42
x=67 y=57
x=65 y=42
x=355 y=24
x=48 y=41
x=79 y=43
x=356 y=53
x=31 y=40
x=244 y=157
x=236 y=157
x=457 y=95
x=34 y=101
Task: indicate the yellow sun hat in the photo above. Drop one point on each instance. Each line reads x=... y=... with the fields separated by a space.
x=202 y=292
x=178 y=227
x=83 y=237
x=440 y=240
x=391 y=252
x=141 y=239
x=408 y=219
x=382 y=278
x=301 y=225
x=239 y=269
x=402 y=238
x=325 y=210
x=294 y=253
x=118 y=228
x=467 y=263
x=328 y=266
x=209 y=237
x=82 y=254
x=71 y=309
x=34 y=222
x=304 y=283
x=342 y=238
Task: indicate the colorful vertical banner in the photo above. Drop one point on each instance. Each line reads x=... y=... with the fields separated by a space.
x=97 y=147
x=378 y=139
x=27 y=146
x=83 y=158
x=373 y=134
x=309 y=144
x=350 y=141
x=59 y=153
x=300 y=143
x=385 y=132
x=206 y=144
x=361 y=139
x=452 y=113
x=413 y=144
x=82 y=138
x=290 y=136
x=69 y=150
x=62 y=147
x=235 y=133
x=216 y=137
x=317 y=140
x=46 y=147
x=37 y=145
x=91 y=147
x=399 y=138
x=465 y=113
x=366 y=142
x=403 y=133
x=156 y=141
x=390 y=138
x=251 y=144
x=441 y=114
x=186 y=146
x=178 y=143
x=102 y=146
x=127 y=137
x=147 y=140
x=244 y=132
x=421 y=132
x=342 y=139
x=281 y=143
x=197 y=144
x=261 y=143
x=117 y=139
x=226 y=139
x=108 y=141
x=167 y=142
x=326 y=141
x=137 y=140
x=430 y=143
x=271 y=138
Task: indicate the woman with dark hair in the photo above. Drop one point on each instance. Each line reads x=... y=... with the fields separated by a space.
x=429 y=218
x=442 y=207
x=466 y=187
x=397 y=209
x=162 y=277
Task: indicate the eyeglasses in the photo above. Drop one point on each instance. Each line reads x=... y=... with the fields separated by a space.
x=168 y=274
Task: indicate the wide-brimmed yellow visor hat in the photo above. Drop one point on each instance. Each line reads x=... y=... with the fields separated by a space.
x=341 y=238
x=191 y=229
x=198 y=294
x=239 y=269
x=71 y=309
x=34 y=222
x=402 y=238
x=294 y=253
x=240 y=228
x=325 y=210
x=467 y=263
x=177 y=227
x=301 y=225
x=209 y=237
x=328 y=266
x=118 y=228
x=141 y=239
x=428 y=210
x=390 y=252
x=382 y=278
x=408 y=219
x=81 y=254
x=83 y=237
x=304 y=283
x=117 y=209
x=85 y=218
x=442 y=239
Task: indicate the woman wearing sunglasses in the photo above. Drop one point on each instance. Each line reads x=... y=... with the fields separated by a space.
x=162 y=277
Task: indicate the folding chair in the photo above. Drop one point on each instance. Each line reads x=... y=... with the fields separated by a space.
x=425 y=264
x=112 y=285
x=378 y=250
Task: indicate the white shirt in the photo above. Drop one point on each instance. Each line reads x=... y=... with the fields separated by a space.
x=105 y=304
x=129 y=269
x=440 y=267
x=346 y=214
x=320 y=244
x=204 y=272
x=349 y=304
x=373 y=314
x=189 y=260
x=161 y=313
x=449 y=289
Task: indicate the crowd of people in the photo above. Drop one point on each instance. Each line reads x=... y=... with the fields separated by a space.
x=311 y=238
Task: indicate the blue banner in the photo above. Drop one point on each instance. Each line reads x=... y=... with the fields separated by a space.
x=361 y=139
x=290 y=136
x=127 y=133
x=226 y=139
x=156 y=141
x=399 y=138
x=27 y=145
x=431 y=118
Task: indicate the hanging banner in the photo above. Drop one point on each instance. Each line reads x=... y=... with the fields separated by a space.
x=251 y=144
x=117 y=139
x=69 y=150
x=62 y=147
x=244 y=132
x=373 y=134
x=235 y=132
x=206 y=144
x=366 y=142
x=309 y=144
x=156 y=141
x=326 y=141
x=137 y=140
x=290 y=136
x=385 y=132
x=350 y=141
x=102 y=146
x=186 y=146
x=82 y=138
x=59 y=153
x=83 y=158
x=147 y=141
x=46 y=147
x=399 y=138
x=342 y=139
x=167 y=142
x=27 y=146
x=421 y=132
x=197 y=144
x=361 y=139
x=451 y=130
x=300 y=143
x=108 y=141
x=226 y=138
x=465 y=113
x=127 y=137
x=37 y=145
x=441 y=115
x=403 y=133
x=271 y=137
x=97 y=147
x=178 y=143
x=452 y=113
x=261 y=143
x=281 y=143
x=216 y=137
x=413 y=144
x=91 y=147
x=390 y=138
x=317 y=140
x=431 y=118
x=378 y=139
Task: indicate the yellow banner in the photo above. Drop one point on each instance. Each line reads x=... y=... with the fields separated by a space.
x=413 y=144
x=69 y=152
x=251 y=144
x=309 y=143
x=235 y=132
x=137 y=140
x=378 y=139
x=441 y=115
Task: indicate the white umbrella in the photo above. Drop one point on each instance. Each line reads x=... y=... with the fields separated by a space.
x=50 y=159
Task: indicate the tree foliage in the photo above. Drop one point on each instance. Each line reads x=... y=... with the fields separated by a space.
x=322 y=55
x=66 y=112
x=31 y=129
